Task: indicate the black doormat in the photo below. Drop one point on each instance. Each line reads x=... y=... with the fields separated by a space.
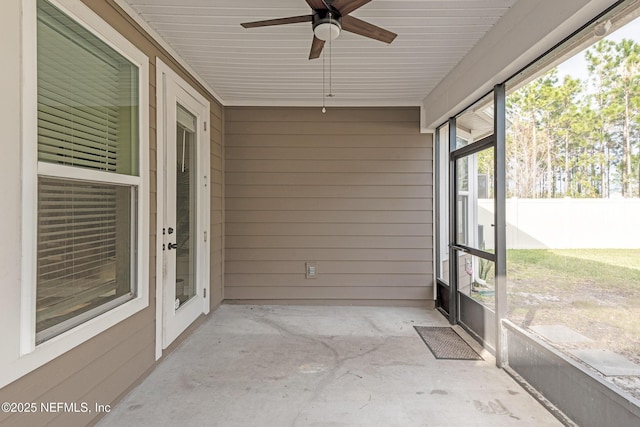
x=445 y=343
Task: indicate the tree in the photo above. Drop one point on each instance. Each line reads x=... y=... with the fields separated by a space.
x=544 y=130
x=578 y=138
x=530 y=144
x=614 y=75
x=627 y=92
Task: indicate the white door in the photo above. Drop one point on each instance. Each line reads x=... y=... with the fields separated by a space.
x=183 y=169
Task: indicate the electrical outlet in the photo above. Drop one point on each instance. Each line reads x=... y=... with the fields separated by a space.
x=311 y=269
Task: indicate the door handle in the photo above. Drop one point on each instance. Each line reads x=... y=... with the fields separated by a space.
x=173 y=246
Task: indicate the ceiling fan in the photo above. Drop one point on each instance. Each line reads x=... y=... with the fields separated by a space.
x=329 y=17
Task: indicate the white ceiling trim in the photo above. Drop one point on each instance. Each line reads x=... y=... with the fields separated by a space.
x=166 y=46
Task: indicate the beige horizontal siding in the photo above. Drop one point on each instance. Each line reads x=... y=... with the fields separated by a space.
x=333 y=254
x=90 y=376
x=329 y=178
x=324 y=229
x=312 y=241
x=335 y=191
x=335 y=153
x=326 y=280
x=318 y=203
x=316 y=141
x=328 y=165
x=331 y=267
x=371 y=127
x=389 y=293
x=346 y=217
x=350 y=190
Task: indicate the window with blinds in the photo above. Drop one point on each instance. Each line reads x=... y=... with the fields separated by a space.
x=87 y=120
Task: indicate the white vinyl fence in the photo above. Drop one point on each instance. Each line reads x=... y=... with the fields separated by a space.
x=566 y=223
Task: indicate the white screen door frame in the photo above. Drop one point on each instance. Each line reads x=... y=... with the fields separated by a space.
x=172 y=316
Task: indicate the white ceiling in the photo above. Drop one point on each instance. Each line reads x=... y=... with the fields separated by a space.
x=270 y=65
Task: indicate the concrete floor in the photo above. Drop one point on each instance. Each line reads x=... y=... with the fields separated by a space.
x=323 y=366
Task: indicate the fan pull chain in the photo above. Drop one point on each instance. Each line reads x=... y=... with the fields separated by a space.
x=324 y=109
x=330 y=60
x=324 y=68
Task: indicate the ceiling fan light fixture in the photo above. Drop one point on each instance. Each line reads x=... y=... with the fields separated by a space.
x=327 y=31
x=328 y=18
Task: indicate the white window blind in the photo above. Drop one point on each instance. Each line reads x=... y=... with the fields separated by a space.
x=87 y=96
x=87 y=118
x=81 y=264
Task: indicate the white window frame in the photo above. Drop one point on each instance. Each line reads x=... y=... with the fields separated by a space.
x=19 y=354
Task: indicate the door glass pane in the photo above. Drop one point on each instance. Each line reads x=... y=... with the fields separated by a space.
x=185 y=206
x=476 y=279
x=475 y=200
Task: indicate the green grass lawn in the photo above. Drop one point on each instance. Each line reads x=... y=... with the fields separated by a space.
x=607 y=269
x=593 y=291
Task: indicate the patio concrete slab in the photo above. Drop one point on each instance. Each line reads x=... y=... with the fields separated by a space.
x=559 y=334
x=607 y=362
x=323 y=366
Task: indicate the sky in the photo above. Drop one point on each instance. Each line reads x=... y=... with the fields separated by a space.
x=577 y=66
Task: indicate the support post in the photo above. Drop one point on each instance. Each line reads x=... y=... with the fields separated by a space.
x=453 y=255
x=500 y=229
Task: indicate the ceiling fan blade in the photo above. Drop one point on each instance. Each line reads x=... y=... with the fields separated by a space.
x=358 y=26
x=316 y=4
x=347 y=6
x=279 y=21
x=316 y=48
